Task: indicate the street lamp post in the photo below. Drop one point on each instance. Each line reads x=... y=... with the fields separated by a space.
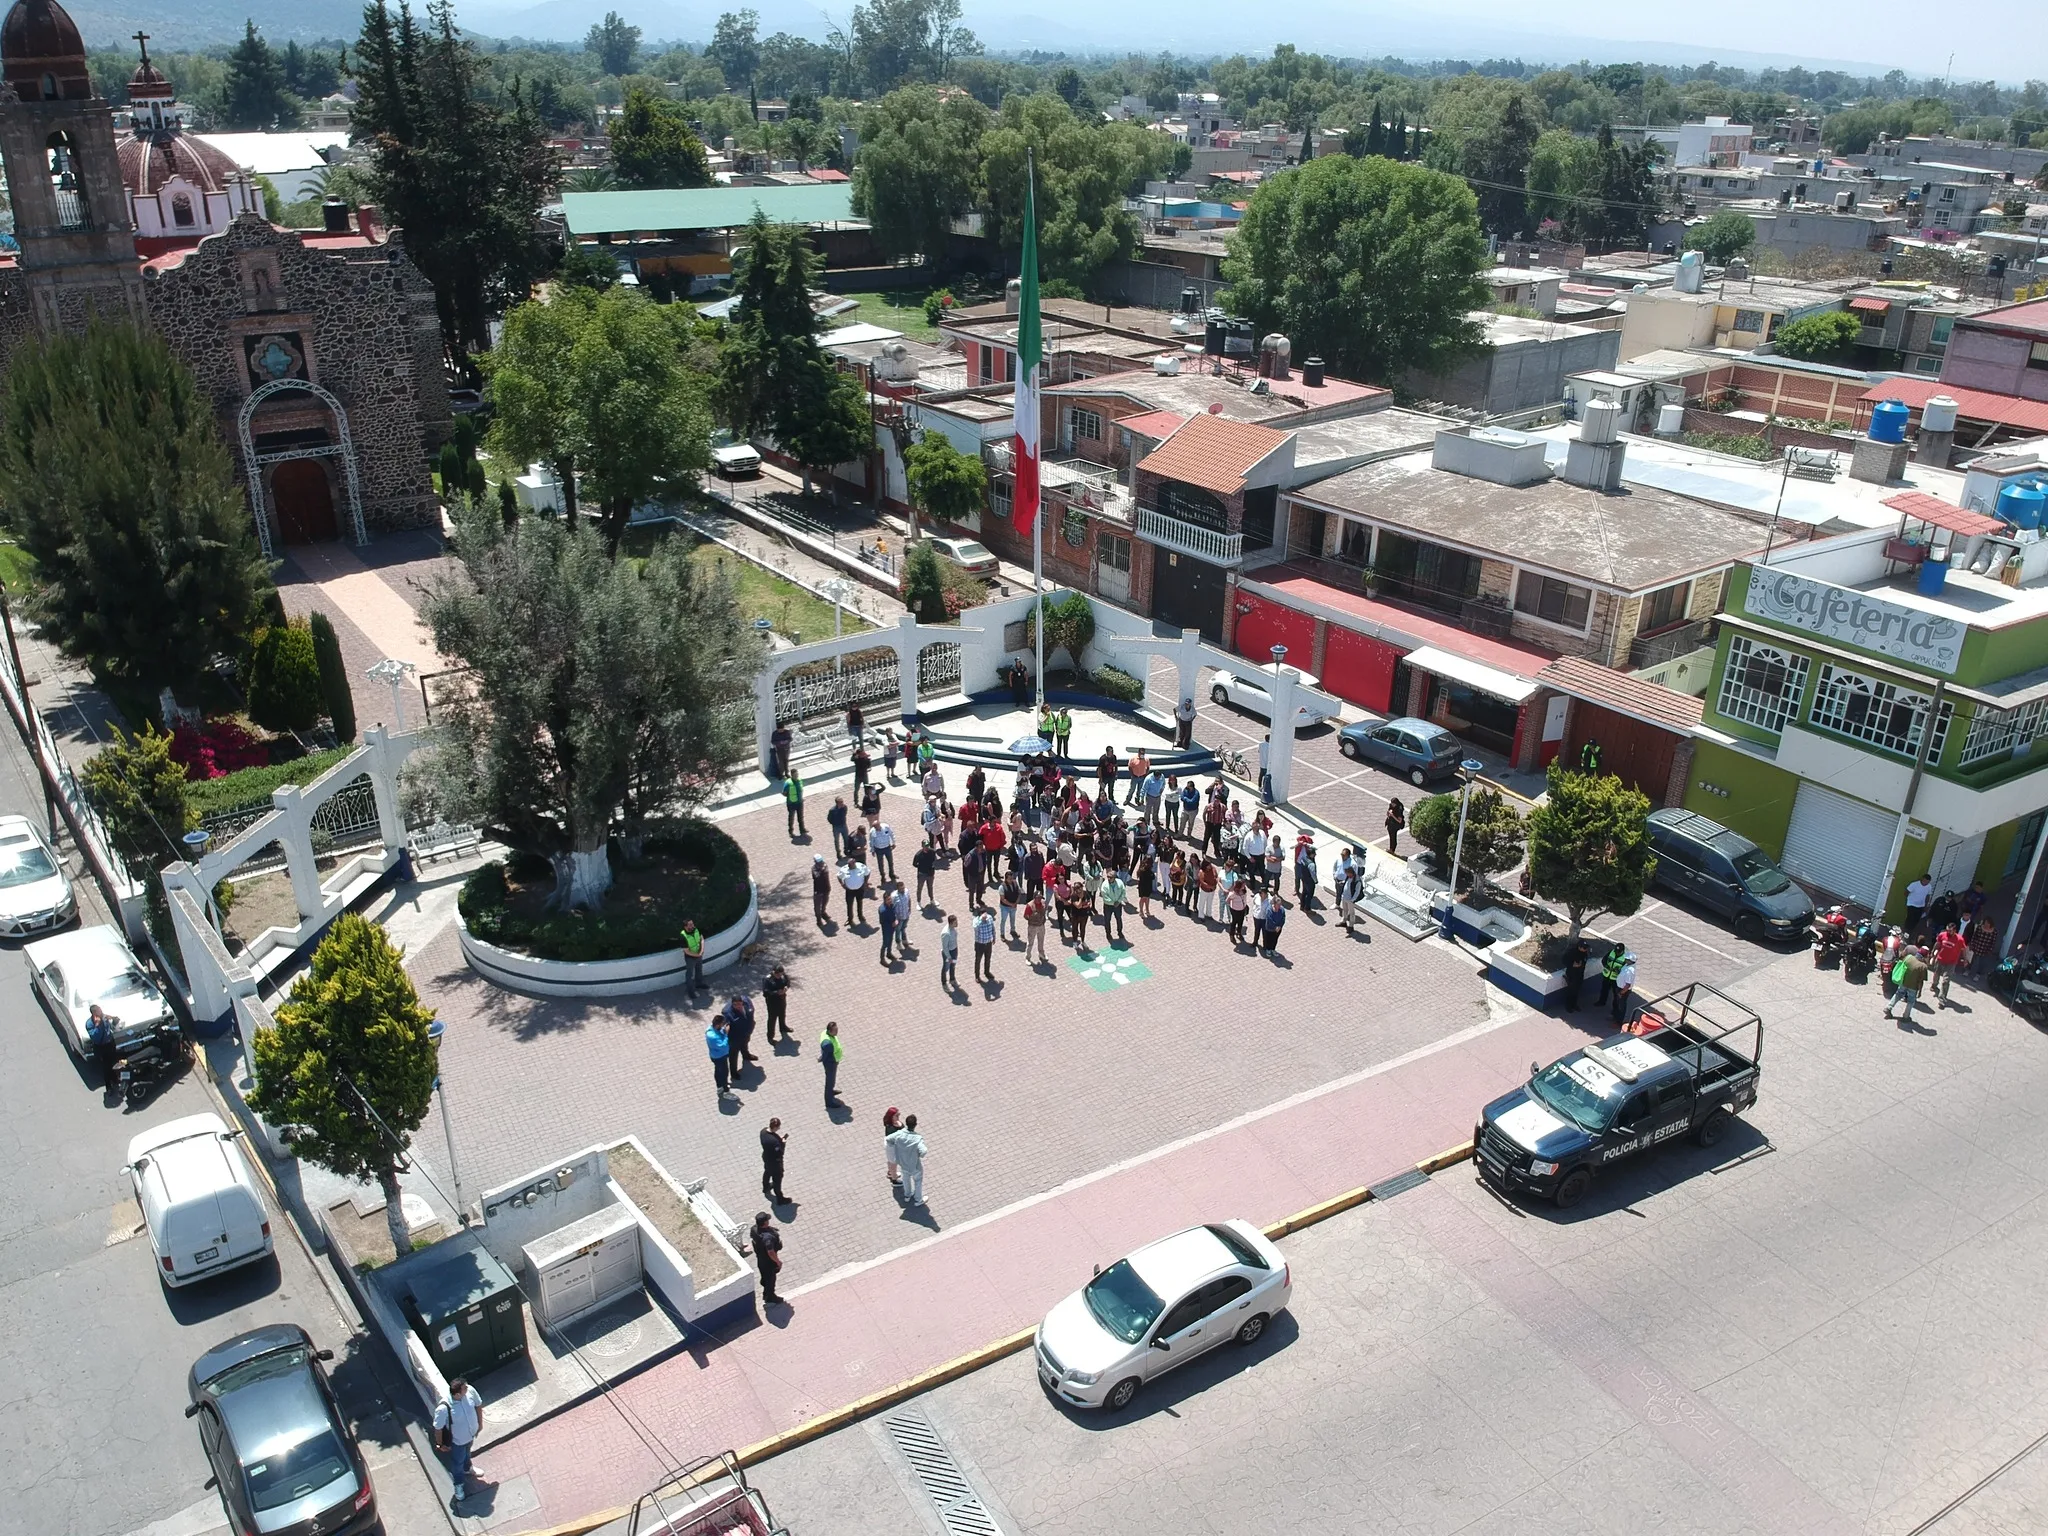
x=840 y=590
x=1470 y=768
x=393 y=672
x=435 y=1032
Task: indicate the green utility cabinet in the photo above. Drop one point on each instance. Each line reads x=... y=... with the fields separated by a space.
x=466 y=1311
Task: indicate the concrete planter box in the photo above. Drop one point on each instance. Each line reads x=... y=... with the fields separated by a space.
x=707 y=1300
x=1481 y=927
x=607 y=978
x=1519 y=979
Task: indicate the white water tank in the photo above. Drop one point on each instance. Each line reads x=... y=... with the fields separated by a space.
x=1938 y=415
x=1670 y=420
x=1601 y=422
x=1166 y=364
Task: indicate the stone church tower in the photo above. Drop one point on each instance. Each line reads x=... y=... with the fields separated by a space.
x=63 y=175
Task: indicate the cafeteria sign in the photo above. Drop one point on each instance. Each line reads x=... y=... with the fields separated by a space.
x=1855 y=618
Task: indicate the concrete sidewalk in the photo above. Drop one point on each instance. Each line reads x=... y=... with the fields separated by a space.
x=870 y=1324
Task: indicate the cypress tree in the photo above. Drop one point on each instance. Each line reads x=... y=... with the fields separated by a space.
x=341 y=704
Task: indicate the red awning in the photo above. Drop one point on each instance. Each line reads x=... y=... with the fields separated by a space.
x=1923 y=508
x=1972 y=404
x=1870 y=306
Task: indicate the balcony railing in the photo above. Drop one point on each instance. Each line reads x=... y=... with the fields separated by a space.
x=1668 y=644
x=1170 y=532
x=1070 y=482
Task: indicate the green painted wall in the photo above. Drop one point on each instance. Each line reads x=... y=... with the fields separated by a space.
x=1914 y=852
x=1997 y=849
x=1759 y=799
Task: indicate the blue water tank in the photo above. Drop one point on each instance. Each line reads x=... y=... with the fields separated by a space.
x=1888 y=422
x=1933 y=576
x=2021 y=505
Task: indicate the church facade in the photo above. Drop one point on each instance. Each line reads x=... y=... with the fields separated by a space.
x=321 y=348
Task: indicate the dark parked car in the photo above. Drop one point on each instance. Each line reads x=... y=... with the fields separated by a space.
x=283 y=1457
x=1726 y=873
x=1426 y=753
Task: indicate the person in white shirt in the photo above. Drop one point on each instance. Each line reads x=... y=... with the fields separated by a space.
x=1918 y=894
x=456 y=1422
x=909 y=1151
x=882 y=844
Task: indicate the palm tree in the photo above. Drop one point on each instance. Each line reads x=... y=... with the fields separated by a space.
x=807 y=141
x=591 y=178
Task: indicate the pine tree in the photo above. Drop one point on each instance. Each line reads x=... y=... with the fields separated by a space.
x=334 y=689
x=115 y=479
x=1375 y=135
x=254 y=96
x=348 y=1068
x=1589 y=846
x=286 y=690
x=924 y=584
x=463 y=176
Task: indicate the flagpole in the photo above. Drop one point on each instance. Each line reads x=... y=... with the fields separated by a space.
x=1037 y=512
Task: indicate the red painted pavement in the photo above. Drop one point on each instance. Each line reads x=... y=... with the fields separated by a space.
x=861 y=1333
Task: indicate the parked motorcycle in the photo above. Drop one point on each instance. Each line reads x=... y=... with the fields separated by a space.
x=147 y=1062
x=1830 y=936
x=1859 y=955
x=2030 y=988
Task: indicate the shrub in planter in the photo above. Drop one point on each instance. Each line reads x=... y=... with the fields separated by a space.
x=1115 y=683
x=714 y=892
x=216 y=748
x=284 y=679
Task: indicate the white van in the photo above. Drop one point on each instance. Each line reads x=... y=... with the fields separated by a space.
x=198 y=1198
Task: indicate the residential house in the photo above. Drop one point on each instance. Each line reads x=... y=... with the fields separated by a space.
x=2001 y=351
x=1532 y=288
x=1520 y=364
x=1866 y=725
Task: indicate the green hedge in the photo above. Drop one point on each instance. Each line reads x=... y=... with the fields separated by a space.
x=716 y=896
x=1115 y=683
x=203 y=797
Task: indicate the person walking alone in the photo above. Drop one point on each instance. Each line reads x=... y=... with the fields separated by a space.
x=1951 y=949
x=693 y=957
x=910 y=1151
x=1397 y=820
x=767 y=1245
x=1184 y=722
x=1034 y=928
x=949 y=955
x=885 y=917
x=775 y=991
x=793 y=803
x=1909 y=975
x=882 y=844
x=774 y=1144
x=835 y=822
x=831 y=1053
x=821 y=891
x=458 y=1418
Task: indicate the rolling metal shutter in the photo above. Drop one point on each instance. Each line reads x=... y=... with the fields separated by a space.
x=1839 y=844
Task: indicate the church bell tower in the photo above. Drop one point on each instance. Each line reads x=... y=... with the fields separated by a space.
x=63 y=175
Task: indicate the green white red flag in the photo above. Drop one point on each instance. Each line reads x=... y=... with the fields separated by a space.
x=1030 y=350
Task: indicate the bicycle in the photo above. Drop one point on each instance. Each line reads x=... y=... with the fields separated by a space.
x=1232 y=761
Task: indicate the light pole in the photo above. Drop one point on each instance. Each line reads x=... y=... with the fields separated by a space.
x=435 y=1032
x=840 y=590
x=1470 y=767
x=394 y=673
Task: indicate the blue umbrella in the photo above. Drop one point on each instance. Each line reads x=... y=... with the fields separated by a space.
x=1030 y=746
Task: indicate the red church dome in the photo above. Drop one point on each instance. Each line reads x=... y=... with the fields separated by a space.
x=42 y=53
x=149 y=159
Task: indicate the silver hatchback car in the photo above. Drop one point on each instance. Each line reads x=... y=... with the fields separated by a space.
x=1167 y=1303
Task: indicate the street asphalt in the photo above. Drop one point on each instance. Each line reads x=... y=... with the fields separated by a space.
x=94 y=1352
x=1828 y=1323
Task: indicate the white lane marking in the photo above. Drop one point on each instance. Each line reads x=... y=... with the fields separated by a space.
x=1643 y=916
x=1250 y=1117
x=193 y=1520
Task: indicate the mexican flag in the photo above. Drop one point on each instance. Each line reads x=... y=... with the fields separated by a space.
x=1030 y=350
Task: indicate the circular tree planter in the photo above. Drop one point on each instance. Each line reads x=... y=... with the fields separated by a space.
x=607 y=978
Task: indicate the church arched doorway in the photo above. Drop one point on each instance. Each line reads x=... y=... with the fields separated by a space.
x=304 y=497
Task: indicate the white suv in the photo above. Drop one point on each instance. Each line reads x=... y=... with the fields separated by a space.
x=1167 y=1303
x=1253 y=691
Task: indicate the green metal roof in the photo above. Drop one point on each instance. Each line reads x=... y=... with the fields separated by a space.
x=625 y=213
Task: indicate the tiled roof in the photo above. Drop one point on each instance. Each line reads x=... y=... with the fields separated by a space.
x=1972 y=404
x=1213 y=452
x=1625 y=695
x=1157 y=425
x=1868 y=305
x=2031 y=316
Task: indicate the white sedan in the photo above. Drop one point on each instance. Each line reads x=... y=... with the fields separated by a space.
x=1167 y=1303
x=35 y=893
x=73 y=971
x=1253 y=691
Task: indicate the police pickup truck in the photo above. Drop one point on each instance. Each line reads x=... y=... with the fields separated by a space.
x=1687 y=1065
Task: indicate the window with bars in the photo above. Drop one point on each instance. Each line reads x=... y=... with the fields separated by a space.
x=1762 y=686
x=1875 y=711
x=2001 y=732
x=999 y=499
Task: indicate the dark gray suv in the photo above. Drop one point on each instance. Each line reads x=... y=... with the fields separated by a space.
x=283 y=1457
x=1725 y=872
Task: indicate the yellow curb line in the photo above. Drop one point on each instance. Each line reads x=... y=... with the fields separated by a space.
x=974 y=1360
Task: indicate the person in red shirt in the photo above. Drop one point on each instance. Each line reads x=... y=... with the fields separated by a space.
x=992 y=843
x=1951 y=949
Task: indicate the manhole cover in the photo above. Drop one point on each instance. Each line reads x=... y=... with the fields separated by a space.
x=595 y=1338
